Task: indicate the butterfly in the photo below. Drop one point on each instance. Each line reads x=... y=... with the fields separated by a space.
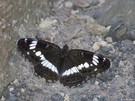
x=70 y=67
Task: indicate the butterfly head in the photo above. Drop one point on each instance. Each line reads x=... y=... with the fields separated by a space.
x=65 y=47
x=64 y=51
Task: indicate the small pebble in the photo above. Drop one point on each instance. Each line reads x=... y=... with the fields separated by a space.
x=66 y=98
x=95 y=99
x=22 y=90
x=68 y=4
x=127 y=44
x=73 y=12
x=83 y=3
x=47 y=23
x=102 y=43
x=124 y=92
x=57 y=97
x=103 y=98
x=133 y=95
x=2 y=98
x=96 y=82
x=131 y=84
x=95 y=46
x=109 y=39
x=134 y=42
x=11 y=89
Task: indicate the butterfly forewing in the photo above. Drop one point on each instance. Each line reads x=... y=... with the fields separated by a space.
x=44 y=56
x=81 y=65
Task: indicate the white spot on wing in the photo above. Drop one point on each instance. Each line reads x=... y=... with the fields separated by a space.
x=68 y=72
x=94 y=62
x=48 y=65
x=34 y=42
x=86 y=65
x=74 y=69
x=54 y=69
x=38 y=53
x=104 y=59
x=25 y=40
x=42 y=57
x=28 y=53
x=65 y=73
x=33 y=47
x=91 y=64
x=71 y=72
x=80 y=66
x=44 y=62
x=94 y=56
x=95 y=69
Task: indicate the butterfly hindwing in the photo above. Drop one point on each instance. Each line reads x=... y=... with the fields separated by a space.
x=43 y=55
x=81 y=65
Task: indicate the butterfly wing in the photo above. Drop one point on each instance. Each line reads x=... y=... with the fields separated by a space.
x=44 y=56
x=80 y=65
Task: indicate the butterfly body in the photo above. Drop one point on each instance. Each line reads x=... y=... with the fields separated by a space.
x=70 y=67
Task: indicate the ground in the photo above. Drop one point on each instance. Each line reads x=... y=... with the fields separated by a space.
x=107 y=27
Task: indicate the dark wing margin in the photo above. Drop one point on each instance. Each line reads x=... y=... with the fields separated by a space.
x=44 y=56
x=81 y=65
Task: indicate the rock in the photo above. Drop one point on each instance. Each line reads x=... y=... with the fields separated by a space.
x=82 y=3
x=134 y=42
x=95 y=99
x=47 y=23
x=68 y=4
x=84 y=99
x=118 y=30
x=132 y=34
x=57 y=97
x=109 y=39
x=2 y=98
x=103 y=98
x=127 y=44
x=124 y=92
x=66 y=98
x=132 y=95
x=131 y=84
x=93 y=27
x=95 y=46
x=73 y=12
x=115 y=9
x=103 y=43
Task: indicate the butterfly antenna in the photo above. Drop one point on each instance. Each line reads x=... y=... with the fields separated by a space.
x=73 y=36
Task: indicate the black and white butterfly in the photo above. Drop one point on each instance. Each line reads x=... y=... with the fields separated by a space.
x=70 y=67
